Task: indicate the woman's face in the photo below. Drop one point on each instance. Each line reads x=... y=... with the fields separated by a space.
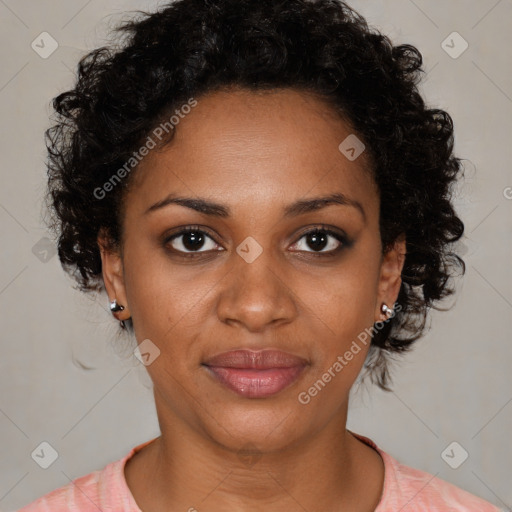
x=255 y=169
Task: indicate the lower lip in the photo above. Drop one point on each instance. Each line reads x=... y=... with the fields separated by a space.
x=254 y=383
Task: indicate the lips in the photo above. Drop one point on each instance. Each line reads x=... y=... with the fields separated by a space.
x=256 y=374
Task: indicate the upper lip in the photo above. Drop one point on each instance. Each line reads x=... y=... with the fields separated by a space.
x=259 y=359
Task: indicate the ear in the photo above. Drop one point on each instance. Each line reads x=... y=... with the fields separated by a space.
x=390 y=278
x=112 y=269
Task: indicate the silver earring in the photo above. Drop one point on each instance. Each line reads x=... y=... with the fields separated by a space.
x=386 y=310
x=114 y=306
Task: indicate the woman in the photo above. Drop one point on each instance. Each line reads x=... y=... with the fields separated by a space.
x=264 y=196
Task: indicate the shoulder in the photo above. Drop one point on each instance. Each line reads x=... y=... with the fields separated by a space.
x=72 y=496
x=421 y=489
x=104 y=489
x=414 y=490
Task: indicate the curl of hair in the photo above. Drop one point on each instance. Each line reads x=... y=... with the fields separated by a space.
x=193 y=47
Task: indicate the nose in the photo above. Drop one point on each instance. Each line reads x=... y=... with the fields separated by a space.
x=256 y=295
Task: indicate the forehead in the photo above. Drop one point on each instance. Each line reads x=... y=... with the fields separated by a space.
x=270 y=147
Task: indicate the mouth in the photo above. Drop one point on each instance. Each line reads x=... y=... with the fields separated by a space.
x=255 y=374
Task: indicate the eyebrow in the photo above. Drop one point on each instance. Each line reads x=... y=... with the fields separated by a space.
x=302 y=206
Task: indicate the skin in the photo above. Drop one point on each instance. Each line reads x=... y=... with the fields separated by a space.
x=254 y=154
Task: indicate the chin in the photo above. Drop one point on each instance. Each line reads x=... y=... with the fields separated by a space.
x=268 y=425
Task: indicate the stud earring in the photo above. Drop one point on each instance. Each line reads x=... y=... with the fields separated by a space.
x=386 y=310
x=114 y=306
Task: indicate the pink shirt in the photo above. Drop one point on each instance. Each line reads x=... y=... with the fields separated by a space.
x=405 y=489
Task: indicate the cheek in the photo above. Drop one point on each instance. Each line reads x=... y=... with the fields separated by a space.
x=169 y=304
x=150 y=290
x=340 y=321
x=339 y=314
x=345 y=299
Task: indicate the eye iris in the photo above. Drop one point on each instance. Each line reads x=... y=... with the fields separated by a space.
x=317 y=240
x=193 y=240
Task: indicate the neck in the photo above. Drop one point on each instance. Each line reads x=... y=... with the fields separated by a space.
x=185 y=470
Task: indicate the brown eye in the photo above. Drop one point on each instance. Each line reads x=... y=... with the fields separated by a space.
x=320 y=241
x=192 y=240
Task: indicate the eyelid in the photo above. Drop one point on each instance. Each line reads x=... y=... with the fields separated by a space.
x=321 y=227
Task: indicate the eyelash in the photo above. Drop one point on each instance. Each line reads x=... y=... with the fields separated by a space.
x=344 y=241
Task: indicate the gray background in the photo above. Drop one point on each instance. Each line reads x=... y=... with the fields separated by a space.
x=67 y=379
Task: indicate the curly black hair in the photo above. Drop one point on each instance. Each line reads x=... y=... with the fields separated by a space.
x=192 y=47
